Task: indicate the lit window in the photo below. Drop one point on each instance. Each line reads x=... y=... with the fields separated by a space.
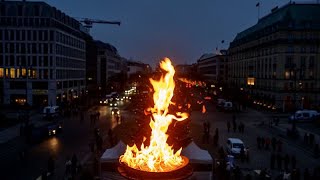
x=7 y=73
x=1 y=73
x=23 y=72
x=18 y=73
x=12 y=73
x=250 y=81
x=34 y=74
x=287 y=74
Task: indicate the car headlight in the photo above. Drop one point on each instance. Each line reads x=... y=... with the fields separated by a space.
x=118 y=112
x=54 y=131
x=110 y=104
x=100 y=102
x=116 y=104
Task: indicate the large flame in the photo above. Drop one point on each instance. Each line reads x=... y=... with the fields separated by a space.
x=158 y=156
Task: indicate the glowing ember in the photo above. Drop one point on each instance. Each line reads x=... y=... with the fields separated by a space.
x=158 y=156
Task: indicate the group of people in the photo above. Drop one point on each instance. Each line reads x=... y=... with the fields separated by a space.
x=94 y=117
x=235 y=126
x=266 y=142
x=282 y=162
x=72 y=167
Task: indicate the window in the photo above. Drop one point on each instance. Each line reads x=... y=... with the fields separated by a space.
x=12 y=73
x=250 y=81
x=287 y=75
x=1 y=72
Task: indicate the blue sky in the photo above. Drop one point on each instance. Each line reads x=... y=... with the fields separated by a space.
x=179 y=29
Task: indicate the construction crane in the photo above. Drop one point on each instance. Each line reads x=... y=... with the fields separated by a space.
x=88 y=22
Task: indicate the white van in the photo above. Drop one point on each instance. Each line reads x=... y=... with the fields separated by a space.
x=304 y=115
x=234 y=146
x=51 y=111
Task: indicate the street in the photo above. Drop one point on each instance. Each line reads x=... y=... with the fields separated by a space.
x=74 y=139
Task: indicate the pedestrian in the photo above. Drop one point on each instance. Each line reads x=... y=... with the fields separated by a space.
x=242 y=127
x=110 y=136
x=263 y=141
x=286 y=175
x=234 y=126
x=311 y=139
x=305 y=138
x=242 y=154
x=279 y=161
x=259 y=142
x=316 y=150
x=279 y=145
x=272 y=160
x=204 y=139
x=68 y=165
x=228 y=126
x=286 y=162
x=274 y=143
x=247 y=154
x=51 y=165
x=306 y=174
x=293 y=161
x=74 y=162
x=267 y=143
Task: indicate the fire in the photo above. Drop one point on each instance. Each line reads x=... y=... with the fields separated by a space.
x=158 y=156
x=204 y=110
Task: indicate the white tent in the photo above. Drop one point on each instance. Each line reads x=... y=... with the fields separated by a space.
x=113 y=154
x=196 y=155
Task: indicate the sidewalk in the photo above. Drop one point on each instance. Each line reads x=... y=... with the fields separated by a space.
x=14 y=131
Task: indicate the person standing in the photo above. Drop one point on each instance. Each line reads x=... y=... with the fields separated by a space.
x=286 y=162
x=274 y=143
x=242 y=154
x=306 y=174
x=272 y=160
x=228 y=126
x=259 y=142
x=279 y=161
x=51 y=165
x=293 y=161
x=267 y=142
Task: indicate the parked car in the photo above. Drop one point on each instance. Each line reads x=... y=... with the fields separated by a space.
x=234 y=146
x=304 y=116
x=115 y=112
x=50 y=112
x=227 y=106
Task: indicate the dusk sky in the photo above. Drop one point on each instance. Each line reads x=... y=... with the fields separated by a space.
x=180 y=29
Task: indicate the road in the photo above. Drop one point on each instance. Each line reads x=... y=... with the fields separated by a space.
x=75 y=138
x=259 y=159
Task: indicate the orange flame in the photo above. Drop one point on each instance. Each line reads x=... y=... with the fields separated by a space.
x=158 y=156
x=204 y=109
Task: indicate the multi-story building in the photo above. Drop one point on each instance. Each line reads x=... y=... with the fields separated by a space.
x=134 y=67
x=42 y=54
x=214 y=67
x=109 y=64
x=277 y=61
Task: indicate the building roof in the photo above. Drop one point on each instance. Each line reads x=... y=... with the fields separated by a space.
x=299 y=14
x=107 y=46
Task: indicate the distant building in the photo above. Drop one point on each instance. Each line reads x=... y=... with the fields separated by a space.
x=277 y=61
x=134 y=67
x=109 y=63
x=214 y=67
x=183 y=69
x=42 y=54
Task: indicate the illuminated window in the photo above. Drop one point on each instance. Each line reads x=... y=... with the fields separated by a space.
x=12 y=73
x=23 y=72
x=287 y=74
x=34 y=74
x=18 y=73
x=250 y=81
x=7 y=73
x=1 y=73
